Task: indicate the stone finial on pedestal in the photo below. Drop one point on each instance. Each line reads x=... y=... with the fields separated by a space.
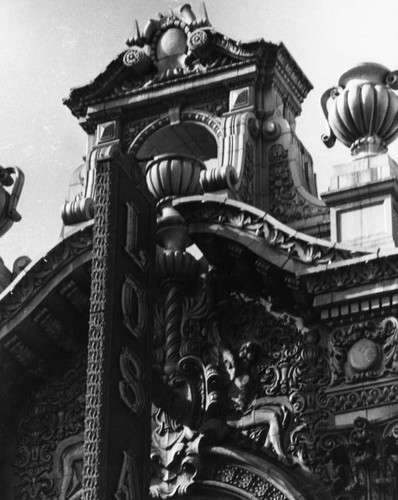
x=362 y=113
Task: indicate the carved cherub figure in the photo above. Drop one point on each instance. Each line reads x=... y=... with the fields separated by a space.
x=247 y=411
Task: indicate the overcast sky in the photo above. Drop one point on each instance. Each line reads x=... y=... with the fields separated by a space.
x=49 y=46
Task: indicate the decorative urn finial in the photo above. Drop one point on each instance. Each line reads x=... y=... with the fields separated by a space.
x=362 y=112
x=174 y=174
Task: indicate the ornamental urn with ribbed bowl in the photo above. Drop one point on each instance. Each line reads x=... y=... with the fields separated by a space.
x=173 y=175
x=362 y=112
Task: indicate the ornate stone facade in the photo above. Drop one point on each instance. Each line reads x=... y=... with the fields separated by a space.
x=231 y=352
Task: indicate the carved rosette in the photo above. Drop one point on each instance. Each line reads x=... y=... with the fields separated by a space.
x=137 y=59
x=199 y=44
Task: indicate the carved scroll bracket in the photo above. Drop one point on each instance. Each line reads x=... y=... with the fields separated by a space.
x=237 y=144
x=82 y=207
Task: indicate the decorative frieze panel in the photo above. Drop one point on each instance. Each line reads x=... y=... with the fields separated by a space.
x=362 y=396
x=364 y=271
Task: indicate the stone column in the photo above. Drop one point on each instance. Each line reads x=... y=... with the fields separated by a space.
x=118 y=397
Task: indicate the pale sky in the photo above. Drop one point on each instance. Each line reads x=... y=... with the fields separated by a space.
x=49 y=46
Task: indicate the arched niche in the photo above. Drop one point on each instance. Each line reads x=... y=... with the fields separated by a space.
x=194 y=134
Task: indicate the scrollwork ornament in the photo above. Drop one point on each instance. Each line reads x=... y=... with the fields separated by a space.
x=174 y=456
x=134 y=307
x=130 y=388
x=136 y=59
x=199 y=42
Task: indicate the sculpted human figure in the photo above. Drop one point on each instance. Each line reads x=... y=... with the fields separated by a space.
x=246 y=411
x=68 y=468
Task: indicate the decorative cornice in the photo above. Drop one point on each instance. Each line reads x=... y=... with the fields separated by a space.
x=368 y=269
x=259 y=232
x=40 y=277
x=292 y=72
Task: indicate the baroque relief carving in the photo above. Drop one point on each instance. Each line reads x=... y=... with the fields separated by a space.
x=291 y=369
x=245 y=190
x=361 y=463
x=174 y=456
x=286 y=203
x=54 y=419
x=262 y=418
x=247 y=376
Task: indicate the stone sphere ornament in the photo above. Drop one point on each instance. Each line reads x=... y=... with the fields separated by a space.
x=364 y=355
x=362 y=112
